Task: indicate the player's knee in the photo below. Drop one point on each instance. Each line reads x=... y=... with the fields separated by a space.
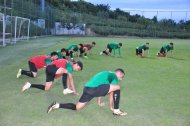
x=47 y=88
x=78 y=107
x=114 y=87
x=117 y=87
x=34 y=75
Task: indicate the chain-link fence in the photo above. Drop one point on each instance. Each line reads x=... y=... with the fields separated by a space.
x=45 y=19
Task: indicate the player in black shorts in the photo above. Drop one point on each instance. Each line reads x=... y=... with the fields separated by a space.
x=67 y=54
x=57 y=69
x=165 y=49
x=37 y=62
x=101 y=84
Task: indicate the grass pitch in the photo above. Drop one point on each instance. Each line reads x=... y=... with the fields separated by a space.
x=155 y=91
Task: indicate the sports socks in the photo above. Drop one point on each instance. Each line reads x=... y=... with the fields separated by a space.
x=38 y=86
x=27 y=73
x=68 y=106
x=116 y=98
x=64 y=80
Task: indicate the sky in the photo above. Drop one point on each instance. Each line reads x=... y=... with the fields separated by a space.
x=169 y=9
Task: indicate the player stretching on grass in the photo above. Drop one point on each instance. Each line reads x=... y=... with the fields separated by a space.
x=110 y=47
x=36 y=63
x=141 y=49
x=101 y=84
x=56 y=69
x=165 y=49
x=61 y=53
x=65 y=54
x=87 y=49
x=74 y=49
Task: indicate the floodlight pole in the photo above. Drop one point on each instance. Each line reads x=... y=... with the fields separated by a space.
x=84 y=29
x=4 y=44
x=15 y=28
x=28 y=29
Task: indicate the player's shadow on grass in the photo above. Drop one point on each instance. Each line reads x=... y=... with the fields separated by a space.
x=151 y=57
x=174 y=58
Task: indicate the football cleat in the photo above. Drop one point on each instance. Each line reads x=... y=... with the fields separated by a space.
x=26 y=86
x=54 y=105
x=119 y=113
x=67 y=91
x=19 y=73
x=86 y=57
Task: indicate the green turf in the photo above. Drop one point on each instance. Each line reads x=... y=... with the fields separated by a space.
x=155 y=91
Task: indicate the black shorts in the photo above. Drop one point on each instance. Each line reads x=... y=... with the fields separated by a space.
x=51 y=73
x=68 y=53
x=32 y=67
x=71 y=54
x=75 y=49
x=82 y=50
x=138 y=52
x=89 y=92
x=110 y=49
x=162 y=50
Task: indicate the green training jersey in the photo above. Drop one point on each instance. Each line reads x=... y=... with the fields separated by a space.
x=114 y=46
x=48 y=61
x=105 y=77
x=69 y=67
x=73 y=47
x=168 y=48
x=144 y=47
x=59 y=54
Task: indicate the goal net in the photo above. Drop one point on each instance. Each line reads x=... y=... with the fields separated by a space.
x=22 y=29
x=5 y=34
x=2 y=29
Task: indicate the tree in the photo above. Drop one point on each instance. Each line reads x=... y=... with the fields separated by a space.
x=155 y=20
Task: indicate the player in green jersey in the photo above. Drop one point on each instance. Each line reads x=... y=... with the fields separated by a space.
x=165 y=49
x=140 y=50
x=110 y=47
x=101 y=84
x=74 y=49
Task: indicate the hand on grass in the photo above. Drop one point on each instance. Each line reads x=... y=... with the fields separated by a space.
x=101 y=104
x=75 y=93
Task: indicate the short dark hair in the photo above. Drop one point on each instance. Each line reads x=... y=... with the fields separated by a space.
x=120 y=70
x=120 y=44
x=54 y=53
x=80 y=64
x=93 y=43
x=63 y=50
x=81 y=45
x=171 y=43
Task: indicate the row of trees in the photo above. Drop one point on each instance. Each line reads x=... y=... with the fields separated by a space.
x=99 y=18
x=102 y=20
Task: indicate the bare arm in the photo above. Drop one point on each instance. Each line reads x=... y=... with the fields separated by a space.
x=111 y=101
x=142 y=52
x=99 y=101
x=166 y=54
x=172 y=54
x=71 y=82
